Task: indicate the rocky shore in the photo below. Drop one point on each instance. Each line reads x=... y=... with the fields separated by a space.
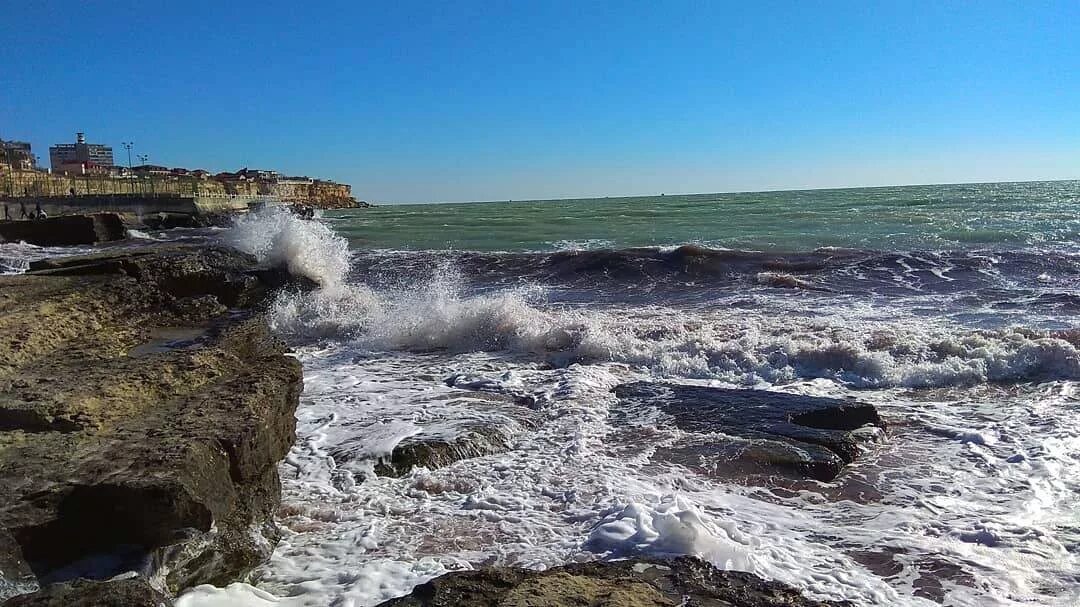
x=143 y=410
x=65 y=230
x=680 y=582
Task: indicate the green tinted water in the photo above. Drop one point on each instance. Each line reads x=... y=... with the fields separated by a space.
x=1039 y=214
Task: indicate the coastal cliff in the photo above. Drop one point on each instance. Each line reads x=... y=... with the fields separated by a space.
x=316 y=193
x=144 y=407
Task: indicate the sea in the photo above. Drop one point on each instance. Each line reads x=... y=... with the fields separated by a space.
x=953 y=309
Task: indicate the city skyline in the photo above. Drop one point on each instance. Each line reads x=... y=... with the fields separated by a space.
x=555 y=100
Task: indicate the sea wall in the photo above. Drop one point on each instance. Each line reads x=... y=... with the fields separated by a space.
x=138 y=208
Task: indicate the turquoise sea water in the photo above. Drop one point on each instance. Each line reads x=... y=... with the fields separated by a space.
x=935 y=217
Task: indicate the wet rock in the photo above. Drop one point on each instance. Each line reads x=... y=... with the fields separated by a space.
x=169 y=221
x=179 y=271
x=738 y=433
x=435 y=450
x=475 y=425
x=685 y=582
x=130 y=592
x=65 y=230
x=115 y=457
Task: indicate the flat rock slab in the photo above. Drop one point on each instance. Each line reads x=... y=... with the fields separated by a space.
x=65 y=230
x=681 y=582
x=116 y=456
x=740 y=433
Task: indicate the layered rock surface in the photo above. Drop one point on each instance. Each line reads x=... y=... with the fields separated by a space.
x=742 y=433
x=682 y=582
x=143 y=410
x=65 y=230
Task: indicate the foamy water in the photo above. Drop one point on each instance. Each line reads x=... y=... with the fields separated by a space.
x=970 y=501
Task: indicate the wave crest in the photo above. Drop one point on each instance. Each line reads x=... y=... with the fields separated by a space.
x=737 y=346
x=307 y=248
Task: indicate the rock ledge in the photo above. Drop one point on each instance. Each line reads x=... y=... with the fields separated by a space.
x=143 y=410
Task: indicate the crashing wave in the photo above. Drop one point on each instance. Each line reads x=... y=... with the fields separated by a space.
x=737 y=346
x=307 y=248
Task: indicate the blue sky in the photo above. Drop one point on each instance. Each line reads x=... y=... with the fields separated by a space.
x=412 y=101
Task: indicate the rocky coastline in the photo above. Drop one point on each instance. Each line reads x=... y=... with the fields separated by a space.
x=145 y=406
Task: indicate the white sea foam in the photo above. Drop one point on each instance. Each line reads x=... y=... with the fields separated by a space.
x=937 y=509
x=307 y=248
x=15 y=257
x=858 y=348
x=970 y=502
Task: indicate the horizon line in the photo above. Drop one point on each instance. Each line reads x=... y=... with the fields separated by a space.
x=768 y=191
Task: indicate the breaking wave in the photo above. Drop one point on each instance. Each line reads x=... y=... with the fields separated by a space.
x=307 y=248
x=737 y=346
x=442 y=312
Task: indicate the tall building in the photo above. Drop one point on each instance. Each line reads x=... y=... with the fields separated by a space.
x=80 y=157
x=17 y=154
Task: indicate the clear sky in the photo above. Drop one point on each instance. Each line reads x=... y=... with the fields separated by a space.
x=413 y=101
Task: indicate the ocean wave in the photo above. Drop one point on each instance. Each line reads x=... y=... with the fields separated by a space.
x=737 y=346
x=694 y=268
x=306 y=248
x=440 y=312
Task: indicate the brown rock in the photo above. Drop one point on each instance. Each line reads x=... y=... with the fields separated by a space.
x=65 y=230
x=123 y=451
x=681 y=582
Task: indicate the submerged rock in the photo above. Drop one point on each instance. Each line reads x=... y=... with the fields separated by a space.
x=65 y=230
x=116 y=457
x=736 y=433
x=681 y=582
x=479 y=425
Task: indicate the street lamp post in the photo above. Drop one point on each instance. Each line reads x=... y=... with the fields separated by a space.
x=127 y=146
x=143 y=158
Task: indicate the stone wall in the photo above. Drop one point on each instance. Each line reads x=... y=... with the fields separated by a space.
x=135 y=207
x=315 y=193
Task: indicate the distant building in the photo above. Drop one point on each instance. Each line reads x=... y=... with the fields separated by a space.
x=259 y=174
x=81 y=157
x=150 y=169
x=17 y=155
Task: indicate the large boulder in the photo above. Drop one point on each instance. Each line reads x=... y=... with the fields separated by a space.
x=740 y=433
x=143 y=411
x=681 y=582
x=65 y=230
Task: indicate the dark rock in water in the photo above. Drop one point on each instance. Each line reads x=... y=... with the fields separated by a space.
x=169 y=221
x=65 y=230
x=130 y=592
x=487 y=427
x=441 y=449
x=685 y=581
x=117 y=457
x=748 y=432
